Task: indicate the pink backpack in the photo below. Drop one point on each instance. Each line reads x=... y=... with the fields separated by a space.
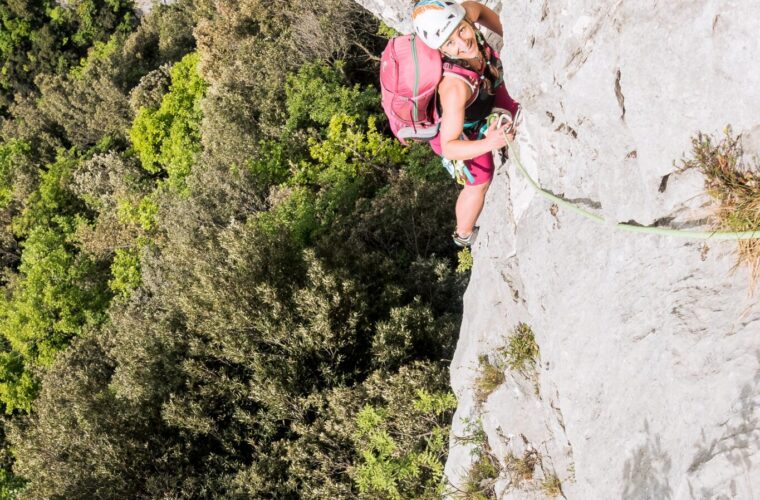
x=409 y=75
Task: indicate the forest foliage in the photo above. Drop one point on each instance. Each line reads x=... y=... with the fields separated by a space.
x=222 y=276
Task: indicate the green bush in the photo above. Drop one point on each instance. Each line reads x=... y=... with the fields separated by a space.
x=386 y=31
x=482 y=475
x=56 y=291
x=280 y=263
x=126 y=271
x=318 y=92
x=41 y=36
x=14 y=157
x=393 y=471
x=490 y=378
x=167 y=139
x=522 y=350
x=82 y=441
x=465 y=260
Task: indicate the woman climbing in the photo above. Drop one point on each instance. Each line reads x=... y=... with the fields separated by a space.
x=471 y=89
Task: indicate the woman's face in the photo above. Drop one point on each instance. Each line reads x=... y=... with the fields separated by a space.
x=462 y=43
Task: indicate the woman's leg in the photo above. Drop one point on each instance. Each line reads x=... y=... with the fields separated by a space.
x=473 y=194
x=468 y=207
x=472 y=197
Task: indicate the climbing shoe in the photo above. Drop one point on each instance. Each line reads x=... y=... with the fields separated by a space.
x=465 y=241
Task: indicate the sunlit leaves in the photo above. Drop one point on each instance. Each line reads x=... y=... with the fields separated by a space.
x=167 y=139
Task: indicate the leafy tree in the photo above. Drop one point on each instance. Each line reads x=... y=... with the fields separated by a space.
x=14 y=157
x=27 y=124
x=109 y=453
x=285 y=281
x=126 y=271
x=10 y=484
x=55 y=292
x=318 y=92
x=41 y=36
x=167 y=139
x=334 y=30
x=89 y=97
x=119 y=191
x=246 y=96
x=244 y=59
x=89 y=106
x=151 y=89
x=336 y=453
x=392 y=463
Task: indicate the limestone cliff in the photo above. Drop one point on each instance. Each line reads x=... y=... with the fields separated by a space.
x=648 y=382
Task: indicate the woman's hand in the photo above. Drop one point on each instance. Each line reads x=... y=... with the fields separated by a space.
x=495 y=135
x=479 y=13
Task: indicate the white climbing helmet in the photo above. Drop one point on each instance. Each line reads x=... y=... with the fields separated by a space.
x=435 y=20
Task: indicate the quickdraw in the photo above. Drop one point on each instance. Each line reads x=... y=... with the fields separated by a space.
x=458 y=171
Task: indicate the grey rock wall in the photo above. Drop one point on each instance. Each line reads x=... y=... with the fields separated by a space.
x=649 y=374
x=143 y=7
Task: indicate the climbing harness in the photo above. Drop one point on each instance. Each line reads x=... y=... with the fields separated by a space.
x=457 y=169
x=623 y=226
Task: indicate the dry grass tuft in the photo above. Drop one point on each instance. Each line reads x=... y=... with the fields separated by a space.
x=491 y=376
x=482 y=477
x=552 y=486
x=734 y=182
x=521 y=470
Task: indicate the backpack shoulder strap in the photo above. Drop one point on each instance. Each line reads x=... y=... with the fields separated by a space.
x=468 y=76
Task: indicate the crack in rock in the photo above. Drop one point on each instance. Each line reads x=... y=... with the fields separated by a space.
x=585 y=201
x=666 y=220
x=567 y=129
x=664 y=183
x=663 y=221
x=619 y=95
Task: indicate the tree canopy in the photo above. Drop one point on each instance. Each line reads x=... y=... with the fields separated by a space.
x=222 y=275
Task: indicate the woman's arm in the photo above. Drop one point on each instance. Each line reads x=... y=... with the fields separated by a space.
x=479 y=13
x=454 y=94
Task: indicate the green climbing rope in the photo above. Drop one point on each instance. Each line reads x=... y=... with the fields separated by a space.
x=715 y=235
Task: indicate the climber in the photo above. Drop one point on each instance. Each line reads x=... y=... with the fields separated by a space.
x=449 y=27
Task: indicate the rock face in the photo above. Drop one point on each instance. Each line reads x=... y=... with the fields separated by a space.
x=143 y=7
x=648 y=382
